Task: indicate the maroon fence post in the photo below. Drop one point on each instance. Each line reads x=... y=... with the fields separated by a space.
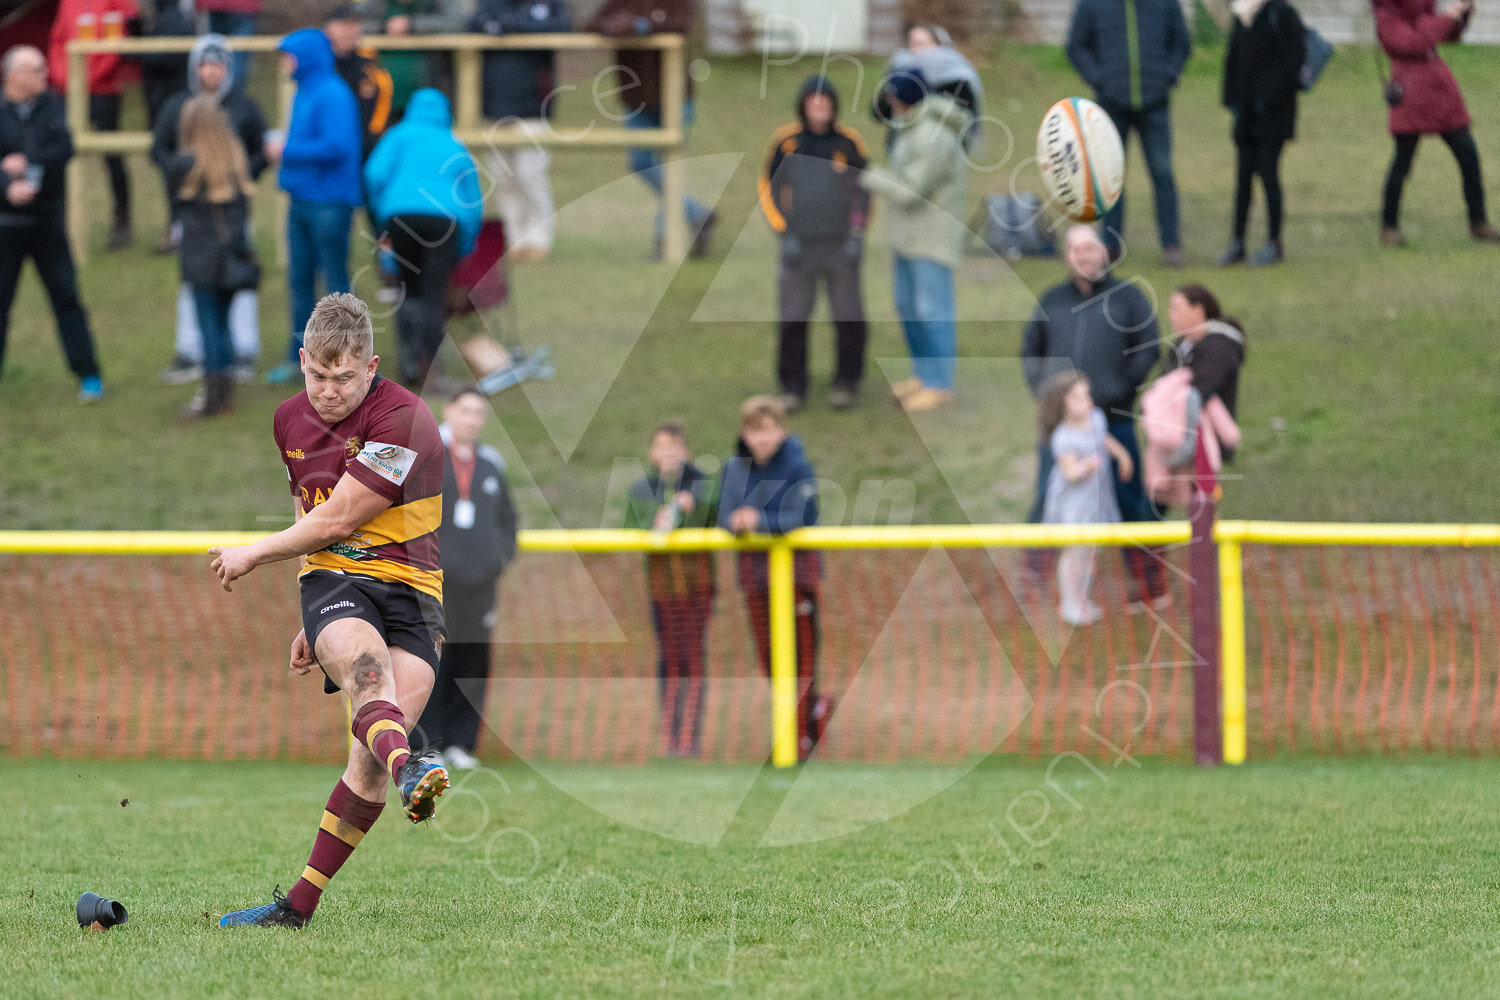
x=1203 y=612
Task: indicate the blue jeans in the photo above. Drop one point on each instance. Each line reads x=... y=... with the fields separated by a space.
x=234 y=25
x=925 y=303
x=317 y=242
x=1155 y=127
x=646 y=163
x=213 y=321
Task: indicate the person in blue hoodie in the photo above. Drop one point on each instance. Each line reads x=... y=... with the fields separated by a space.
x=769 y=487
x=424 y=193
x=320 y=158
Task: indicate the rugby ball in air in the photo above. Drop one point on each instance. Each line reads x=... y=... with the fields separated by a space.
x=1081 y=158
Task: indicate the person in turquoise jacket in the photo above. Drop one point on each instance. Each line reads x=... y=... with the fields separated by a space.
x=423 y=190
x=319 y=158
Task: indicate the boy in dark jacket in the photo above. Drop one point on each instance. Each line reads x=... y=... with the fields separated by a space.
x=810 y=194
x=769 y=487
x=518 y=92
x=1131 y=53
x=677 y=495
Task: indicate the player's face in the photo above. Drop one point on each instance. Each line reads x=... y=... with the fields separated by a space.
x=668 y=455
x=763 y=439
x=465 y=418
x=337 y=389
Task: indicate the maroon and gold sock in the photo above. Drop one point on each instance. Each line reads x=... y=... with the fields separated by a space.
x=380 y=726
x=345 y=822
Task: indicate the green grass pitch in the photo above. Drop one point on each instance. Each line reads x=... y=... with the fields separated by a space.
x=1300 y=878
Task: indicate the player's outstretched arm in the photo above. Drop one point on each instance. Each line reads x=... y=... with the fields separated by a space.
x=351 y=504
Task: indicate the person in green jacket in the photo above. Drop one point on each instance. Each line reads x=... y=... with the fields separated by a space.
x=924 y=188
x=676 y=495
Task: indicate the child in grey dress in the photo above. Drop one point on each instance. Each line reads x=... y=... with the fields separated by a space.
x=1080 y=489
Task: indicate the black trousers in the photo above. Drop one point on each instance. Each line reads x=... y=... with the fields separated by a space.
x=104 y=116
x=1461 y=142
x=453 y=713
x=1261 y=158
x=45 y=241
x=797 y=285
x=426 y=249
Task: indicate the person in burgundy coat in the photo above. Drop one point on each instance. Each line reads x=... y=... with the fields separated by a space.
x=1429 y=103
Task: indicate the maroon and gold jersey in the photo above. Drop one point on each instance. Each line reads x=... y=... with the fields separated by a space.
x=390 y=443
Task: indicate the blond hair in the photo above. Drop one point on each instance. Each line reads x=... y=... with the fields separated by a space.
x=757 y=409
x=340 y=325
x=220 y=171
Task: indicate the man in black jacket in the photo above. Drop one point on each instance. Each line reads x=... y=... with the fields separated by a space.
x=35 y=147
x=211 y=69
x=362 y=71
x=478 y=540
x=518 y=92
x=810 y=193
x=1107 y=329
x=1131 y=53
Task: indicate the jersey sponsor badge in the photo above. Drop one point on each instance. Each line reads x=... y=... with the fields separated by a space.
x=389 y=461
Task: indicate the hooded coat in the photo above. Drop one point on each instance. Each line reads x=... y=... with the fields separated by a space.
x=811 y=185
x=419 y=168
x=1410 y=32
x=321 y=160
x=245 y=117
x=925 y=184
x=1262 y=71
x=785 y=492
x=1125 y=71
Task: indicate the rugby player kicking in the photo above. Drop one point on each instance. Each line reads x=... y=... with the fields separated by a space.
x=366 y=468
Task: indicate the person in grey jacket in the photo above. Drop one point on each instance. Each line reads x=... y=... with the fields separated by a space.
x=1131 y=53
x=923 y=188
x=1105 y=328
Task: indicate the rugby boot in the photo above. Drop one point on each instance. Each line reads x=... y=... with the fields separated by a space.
x=422 y=779
x=277 y=913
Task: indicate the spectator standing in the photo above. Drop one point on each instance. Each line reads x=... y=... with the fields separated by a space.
x=162 y=75
x=1262 y=74
x=676 y=494
x=519 y=92
x=929 y=48
x=108 y=74
x=1106 y=329
x=210 y=177
x=811 y=196
x=1080 y=487
x=408 y=68
x=35 y=147
x=320 y=171
x=211 y=71
x=1429 y=103
x=769 y=487
x=424 y=193
x=1131 y=53
x=924 y=189
x=639 y=89
x=361 y=70
x=478 y=541
x=1208 y=343
x=233 y=19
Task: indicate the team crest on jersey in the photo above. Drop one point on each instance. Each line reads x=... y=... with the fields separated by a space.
x=351 y=447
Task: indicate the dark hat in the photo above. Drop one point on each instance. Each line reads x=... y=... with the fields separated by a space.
x=347 y=12
x=908 y=86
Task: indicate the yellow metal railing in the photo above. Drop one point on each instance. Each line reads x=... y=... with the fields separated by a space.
x=1231 y=537
x=469 y=125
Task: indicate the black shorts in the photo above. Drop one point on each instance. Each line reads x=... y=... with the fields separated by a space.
x=405 y=617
